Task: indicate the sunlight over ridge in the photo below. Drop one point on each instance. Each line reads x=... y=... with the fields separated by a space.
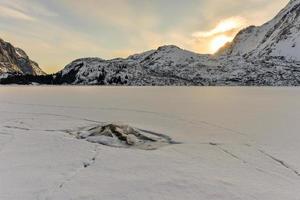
x=219 y=42
x=223 y=26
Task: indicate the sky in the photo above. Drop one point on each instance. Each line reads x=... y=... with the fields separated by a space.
x=55 y=32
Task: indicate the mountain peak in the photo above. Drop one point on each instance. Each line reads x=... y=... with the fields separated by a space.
x=15 y=61
x=279 y=37
x=168 y=47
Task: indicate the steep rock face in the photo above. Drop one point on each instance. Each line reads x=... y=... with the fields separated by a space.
x=279 y=37
x=15 y=61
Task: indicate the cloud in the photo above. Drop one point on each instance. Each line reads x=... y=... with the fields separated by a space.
x=30 y=10
x=13 y=13
x=52 y=46
x=41 y=10
x=224 y=26
x=121 y=14
x=224 y=31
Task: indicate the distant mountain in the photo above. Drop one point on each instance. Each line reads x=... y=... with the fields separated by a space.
x=15 y=61
x=265 y=55
x=164 y=66
x=279 y=37
x=268 y=55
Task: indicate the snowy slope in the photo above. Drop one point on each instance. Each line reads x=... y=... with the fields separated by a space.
x=278 y=37
x=15 y=61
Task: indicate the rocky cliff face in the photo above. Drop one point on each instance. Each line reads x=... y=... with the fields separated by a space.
x=15 y=61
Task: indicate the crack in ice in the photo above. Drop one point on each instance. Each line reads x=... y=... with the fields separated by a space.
x=84 y=166
x=16 y=127
x=228 y=152
x=280 y=162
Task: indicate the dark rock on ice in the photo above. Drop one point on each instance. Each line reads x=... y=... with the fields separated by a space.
x=118 y=135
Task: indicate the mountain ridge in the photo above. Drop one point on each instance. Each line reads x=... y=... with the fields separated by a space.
x=265 y=55
x=277 y=37
x=259 y=55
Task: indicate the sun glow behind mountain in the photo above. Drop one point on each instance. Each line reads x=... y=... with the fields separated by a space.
x=222 y=33
x=223 y=26
x=219 y=42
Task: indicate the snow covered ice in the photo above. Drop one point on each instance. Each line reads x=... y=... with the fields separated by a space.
x=235 y=143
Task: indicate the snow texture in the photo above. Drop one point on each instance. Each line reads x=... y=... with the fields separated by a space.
x=236 y=143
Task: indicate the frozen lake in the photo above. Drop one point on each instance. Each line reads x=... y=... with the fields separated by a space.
x=236 y=143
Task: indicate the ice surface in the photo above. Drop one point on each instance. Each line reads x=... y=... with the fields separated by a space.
x=236 y=143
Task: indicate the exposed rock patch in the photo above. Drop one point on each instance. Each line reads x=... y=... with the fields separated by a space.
x=122 y=136
x=14 y=60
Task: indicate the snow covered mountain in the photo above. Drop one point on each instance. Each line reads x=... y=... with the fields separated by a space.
x=279 y=37
x=164 y=66
x=265 y=55
x=15 y=61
